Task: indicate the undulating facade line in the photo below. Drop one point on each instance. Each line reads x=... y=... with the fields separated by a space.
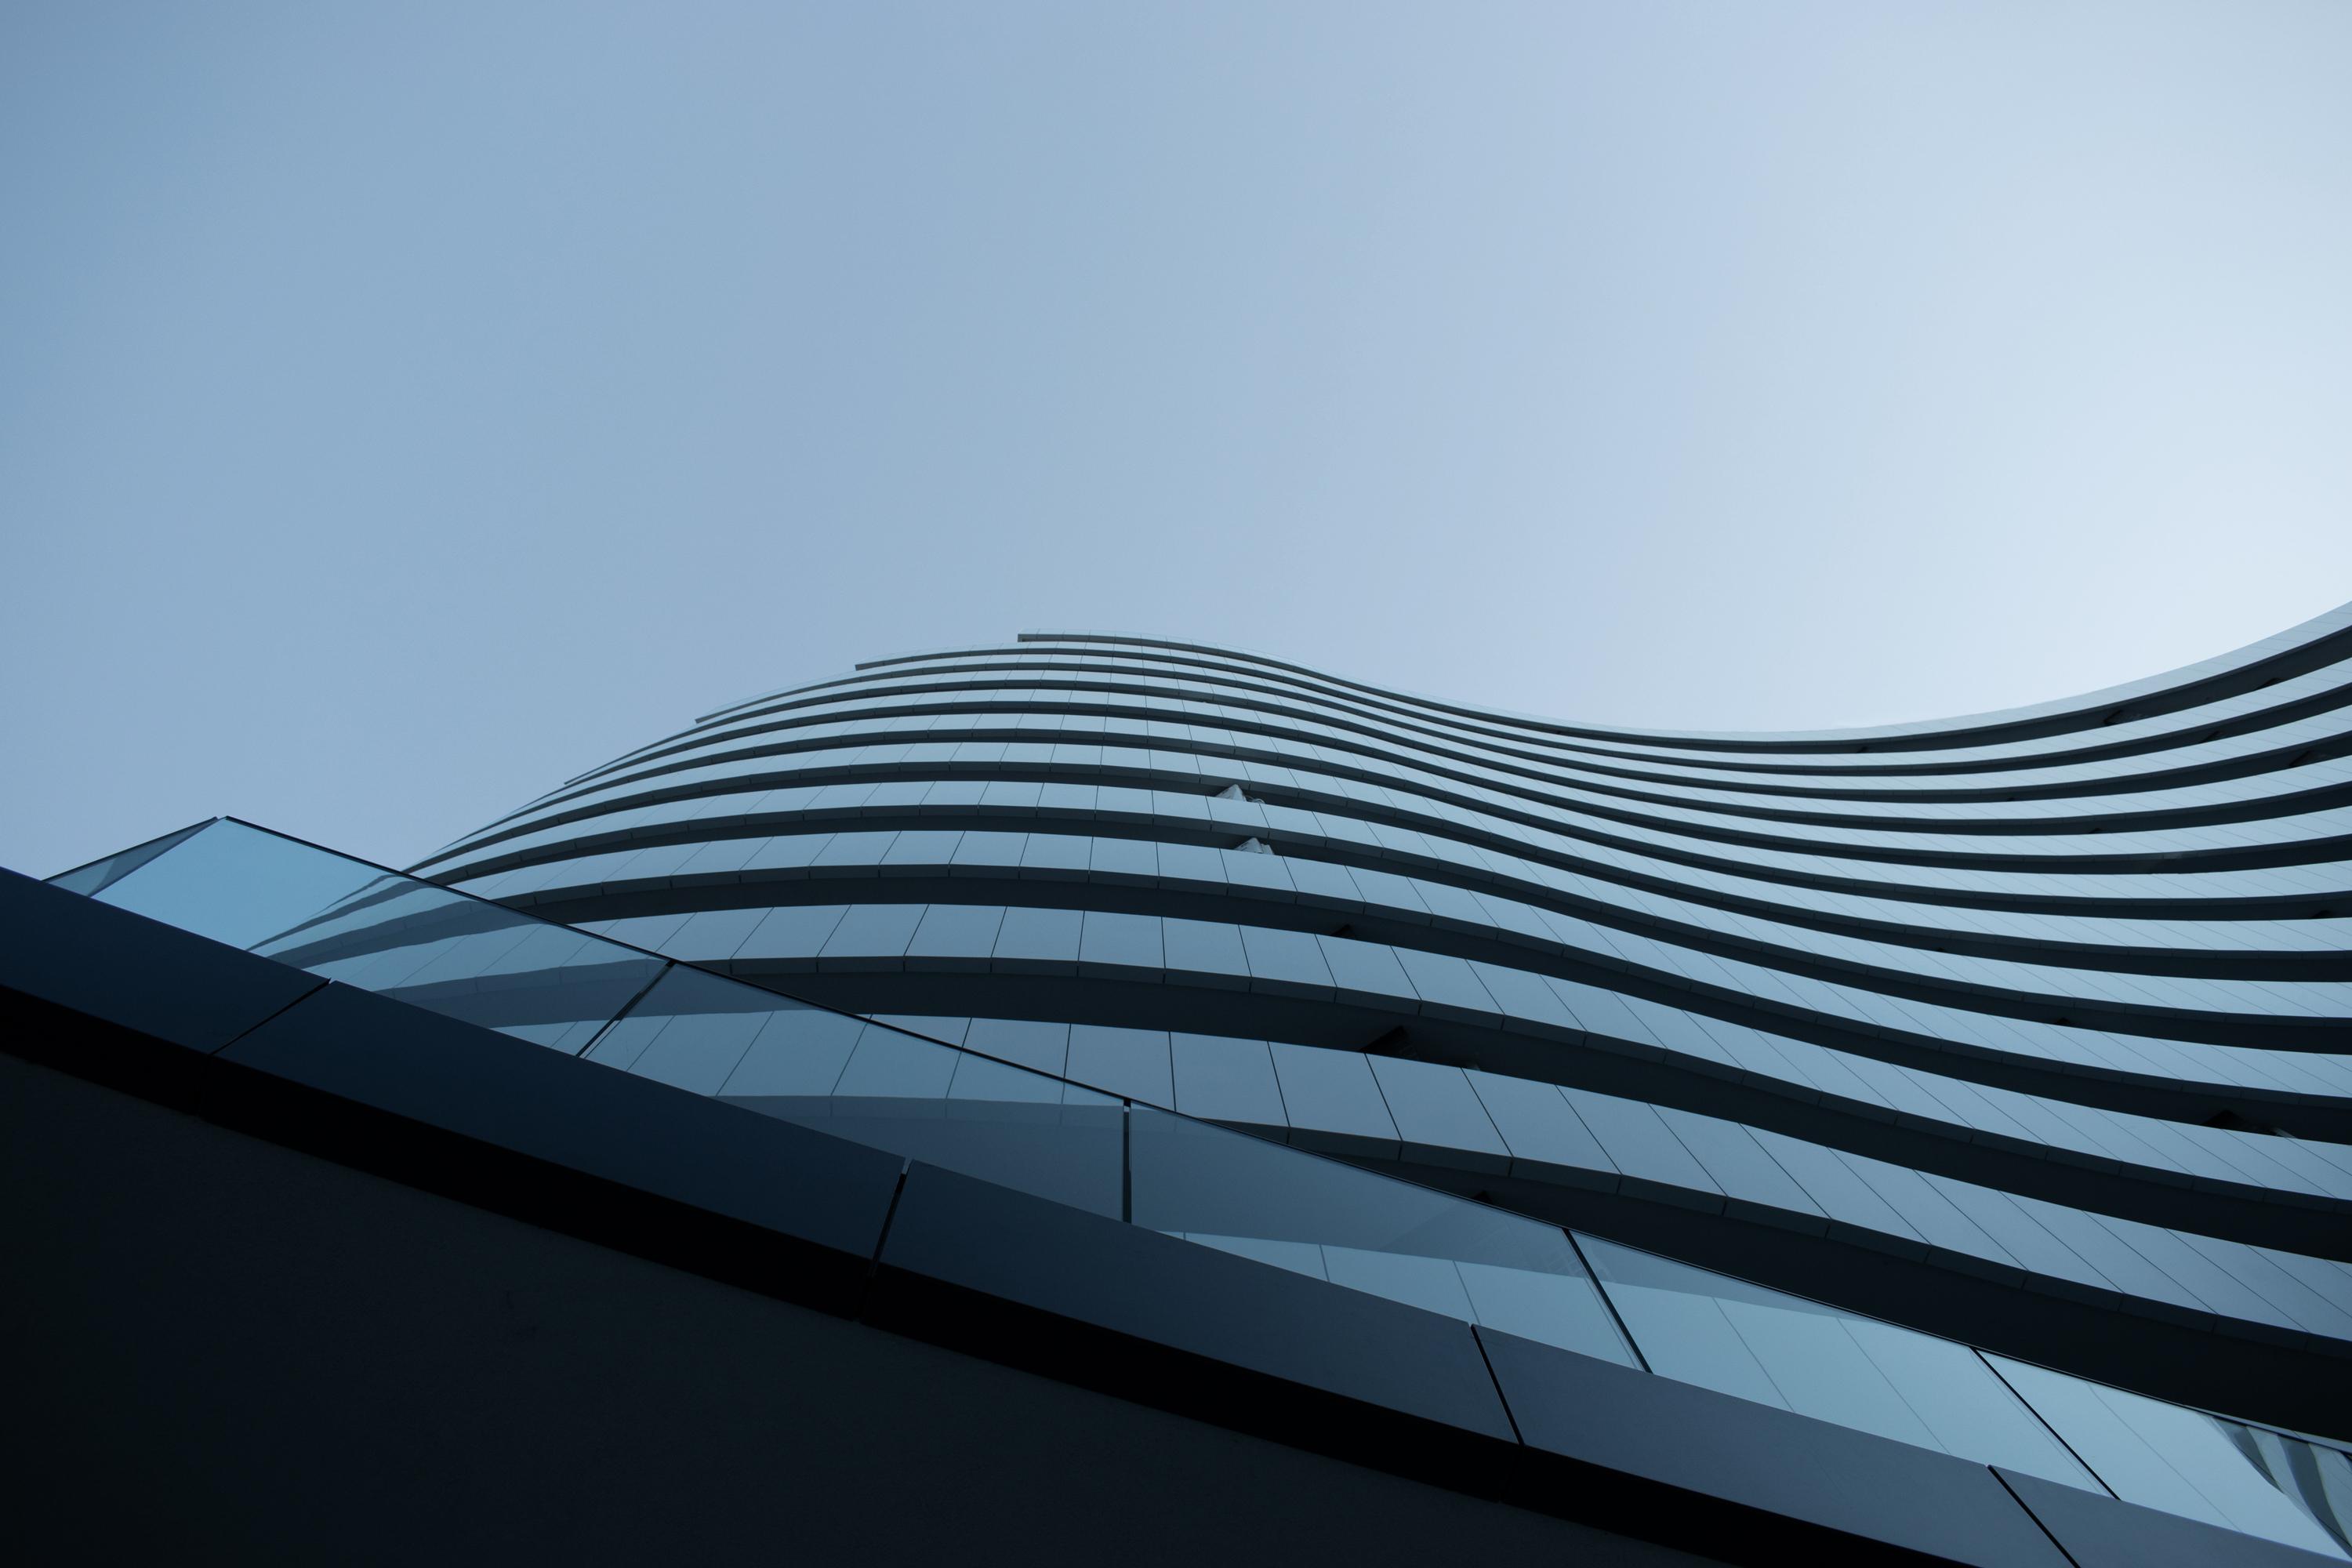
x=1983 y=1086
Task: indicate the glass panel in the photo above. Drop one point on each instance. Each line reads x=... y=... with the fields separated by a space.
x=345 y=920
x=2184 y=1461
x=2317 y=1478
x=1241 y=1194
x=875 y=1085
x=468 y=960
x=986 y=1118
x=692 y=1031
x=238 y=885
x=1739 y=1338
x=471 y=959
x=1225 y=1079
x=104 y=873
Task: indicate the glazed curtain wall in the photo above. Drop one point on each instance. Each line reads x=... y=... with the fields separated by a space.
x=2030 y=1029
x=1120 y=1157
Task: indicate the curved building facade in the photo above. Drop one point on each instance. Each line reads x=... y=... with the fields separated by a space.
x=2030 y=1028
x=1983 y=1086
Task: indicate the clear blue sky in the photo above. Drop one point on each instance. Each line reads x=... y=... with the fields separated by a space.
x=405 y=407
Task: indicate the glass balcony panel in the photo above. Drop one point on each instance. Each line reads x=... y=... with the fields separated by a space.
x=104 y=873
x=1261 y=1200
x=2184 y=1461
x=241 y=885
x=471 y=959
x=346 y=921
x=875 y=1085
x=1696 y=1326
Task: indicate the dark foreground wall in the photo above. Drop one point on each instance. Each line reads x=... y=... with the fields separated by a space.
x=240 y=1353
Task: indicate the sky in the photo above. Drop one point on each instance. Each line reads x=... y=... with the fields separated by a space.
x=406 y=407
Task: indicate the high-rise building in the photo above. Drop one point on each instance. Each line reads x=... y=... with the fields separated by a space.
x=1931 y=1140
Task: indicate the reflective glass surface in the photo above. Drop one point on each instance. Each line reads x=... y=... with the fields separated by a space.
x=345 y=920
x=2198 y=1466
x=965 y=1108
x=1700 y=1327
x=108 y=870
x=1227 y=1189
x=875 y=1084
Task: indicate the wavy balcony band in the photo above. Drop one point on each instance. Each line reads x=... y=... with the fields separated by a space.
x=1903 y=1079
x=2050 y=1005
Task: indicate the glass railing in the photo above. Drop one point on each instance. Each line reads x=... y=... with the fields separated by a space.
x=637 y=1012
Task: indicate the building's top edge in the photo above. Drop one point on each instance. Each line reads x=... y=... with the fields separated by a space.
x=2331 y=624
x=775 y=691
